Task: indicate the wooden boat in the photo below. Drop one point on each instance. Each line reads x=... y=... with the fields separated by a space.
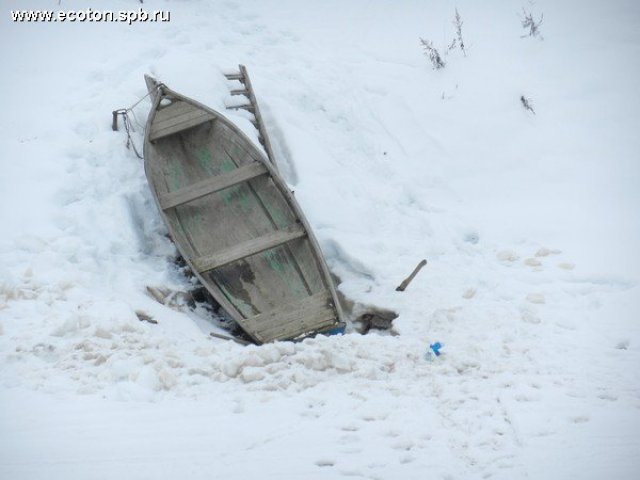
x=235 y=222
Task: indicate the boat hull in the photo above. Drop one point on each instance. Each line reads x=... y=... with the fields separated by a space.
x=235 y=222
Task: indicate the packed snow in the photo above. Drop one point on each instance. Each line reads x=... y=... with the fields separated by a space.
x=528 y=219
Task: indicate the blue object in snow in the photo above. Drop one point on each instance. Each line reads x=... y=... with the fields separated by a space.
x=435 y=347
x=339 y=330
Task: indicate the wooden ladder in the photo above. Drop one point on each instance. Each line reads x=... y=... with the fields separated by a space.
x=243 y=77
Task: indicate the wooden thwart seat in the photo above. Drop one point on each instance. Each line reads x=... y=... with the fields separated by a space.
x=312 y=313
x=211 y=185
x=177 y=117
x=256 y=245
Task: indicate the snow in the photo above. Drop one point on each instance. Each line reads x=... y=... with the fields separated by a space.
x=529 y=224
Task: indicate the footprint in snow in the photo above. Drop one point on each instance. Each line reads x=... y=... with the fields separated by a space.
x=471 y=237
x=351 y=451
x=522 y=398
x=545 y=252
x=623 y=345
x=374 y=415
x=530 y=317
x=351 y=473
x=566 y=266
x=289 y=35
x=507 y=256
x=580 y=419
x=533 y=262
x=537 y=298
x=403 y=445
x=404 y=459
x=96 y=76
x=350 y=428
x=469 y=293
x=607 y=396
x=349 y=438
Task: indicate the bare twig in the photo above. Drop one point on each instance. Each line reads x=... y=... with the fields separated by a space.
x=433 y=54
x=529 y=23
x=526 y=103
x=457 y=22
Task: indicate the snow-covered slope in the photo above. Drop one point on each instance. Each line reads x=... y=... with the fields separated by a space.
x=529 y=222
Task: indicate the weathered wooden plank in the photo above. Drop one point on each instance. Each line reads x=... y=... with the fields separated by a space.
x=310 y=313
x=322 y=320
x=241 y=91
x=211 y=185
x=288 y=312
x=246 y=249
x=233 y=339
x=256 y=113
x=180 y=123
x=175 y=108
x=234 y=76
x=247 y=107
x=176 y=115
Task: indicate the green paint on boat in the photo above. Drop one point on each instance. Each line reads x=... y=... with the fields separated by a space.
x=278 y=216
x=205 y=160
x=240 y=196
x=274 y=261
x=278 y=261
x=176 y=178
x=227 y=165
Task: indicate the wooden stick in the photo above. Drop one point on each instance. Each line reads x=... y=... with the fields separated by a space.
x=145 y=317
x=114 y=121
x=224 y=337
x=405 y=283
x=158 y=295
